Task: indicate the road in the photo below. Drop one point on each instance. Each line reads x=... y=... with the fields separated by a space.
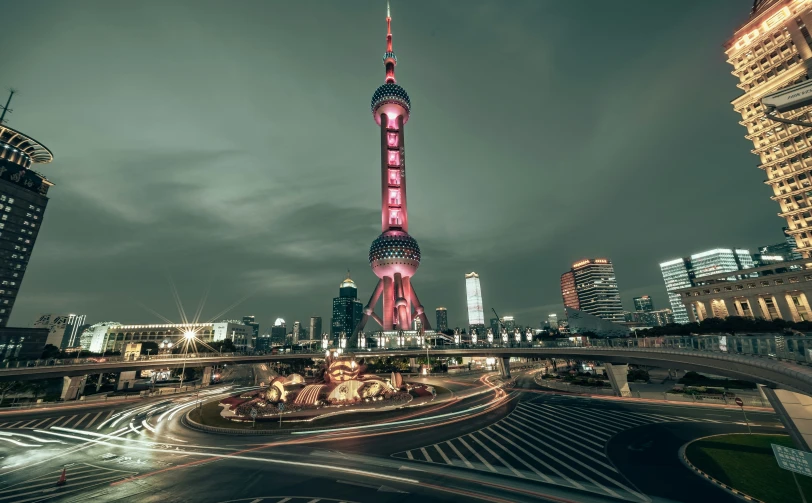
x=521 y=445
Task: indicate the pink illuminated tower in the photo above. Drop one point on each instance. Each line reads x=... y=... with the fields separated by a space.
x=394 y=256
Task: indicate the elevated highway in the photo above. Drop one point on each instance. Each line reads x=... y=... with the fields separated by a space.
x=762 y=369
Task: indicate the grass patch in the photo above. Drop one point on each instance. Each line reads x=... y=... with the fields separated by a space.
x=747 y=463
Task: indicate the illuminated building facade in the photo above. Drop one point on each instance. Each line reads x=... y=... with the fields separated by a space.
x=278 y=332
x=473 y=293
x=347 y=309
x=442 y=319
x=643 y=303
x=114 y=336
x=595 y=290
x=252 y=322
x=568 y=291
x=314 y=333
x=772 y=50
x=394 y=255
x=23 y=198
x=682 y=273
x=552 y=321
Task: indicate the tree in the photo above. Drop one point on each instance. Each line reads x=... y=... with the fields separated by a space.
x=37 y=387
x=50 y=351
x=7 y=387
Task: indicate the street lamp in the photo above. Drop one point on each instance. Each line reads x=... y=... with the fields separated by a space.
x=188 y=336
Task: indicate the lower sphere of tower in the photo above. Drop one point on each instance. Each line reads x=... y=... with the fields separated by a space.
x=394 y=252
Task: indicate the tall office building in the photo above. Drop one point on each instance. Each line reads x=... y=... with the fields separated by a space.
x=23 y=198
x=568 y=291
x=509 y=323
x=681 y=272
x=279 y=332
x=347 y=309
x=63 y=329
x=595 y=290
x=314 y=333
x=473 y=292
x=770 y=51
x=252 y=322
x=442 y=319
x=643 y=303
x=297 y=332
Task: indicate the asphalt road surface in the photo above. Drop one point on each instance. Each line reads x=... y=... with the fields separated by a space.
x=520 y=444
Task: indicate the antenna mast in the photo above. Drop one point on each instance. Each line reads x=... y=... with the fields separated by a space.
x=6 y=109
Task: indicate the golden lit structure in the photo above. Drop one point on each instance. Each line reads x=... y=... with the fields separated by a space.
x=769 y=52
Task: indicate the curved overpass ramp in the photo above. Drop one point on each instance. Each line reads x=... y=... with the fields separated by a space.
x=753 y=368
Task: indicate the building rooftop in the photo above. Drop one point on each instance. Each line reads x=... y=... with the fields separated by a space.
x=12 y=138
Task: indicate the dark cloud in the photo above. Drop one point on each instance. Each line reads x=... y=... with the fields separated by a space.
x=234 y=147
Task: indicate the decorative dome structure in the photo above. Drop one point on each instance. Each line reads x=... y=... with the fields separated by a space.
x=347 y=283
x=393 y=252
x=391 y=99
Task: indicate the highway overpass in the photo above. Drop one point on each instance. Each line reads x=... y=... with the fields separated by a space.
x=761 y=369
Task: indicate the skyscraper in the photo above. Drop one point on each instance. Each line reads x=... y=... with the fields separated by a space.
x=473 y=292
x=595 y=289
x=347 y=309
x=297 y=331
x=770 y=51
x=643 y=303
x=509 y=323
x=314 y=333
x=442 y=319
x=681 y=272
x=251 y=322
x=394 y=255
x=279 y=332
x=568 y=291
x=23 y=198
x=552 y=321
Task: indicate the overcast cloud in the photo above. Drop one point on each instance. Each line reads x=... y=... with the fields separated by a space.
x=231 y=144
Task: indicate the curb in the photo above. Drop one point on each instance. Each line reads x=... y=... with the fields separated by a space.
x=699 y=472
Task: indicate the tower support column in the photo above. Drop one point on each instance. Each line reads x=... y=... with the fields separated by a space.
x=388 y=303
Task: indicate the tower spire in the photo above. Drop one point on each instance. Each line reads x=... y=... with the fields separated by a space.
x=389 y=59
x=6 y=109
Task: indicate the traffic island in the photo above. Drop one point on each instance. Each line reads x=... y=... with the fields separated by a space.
x=745 y=465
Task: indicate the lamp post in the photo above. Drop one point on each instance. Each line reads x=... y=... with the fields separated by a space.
x=188 y=336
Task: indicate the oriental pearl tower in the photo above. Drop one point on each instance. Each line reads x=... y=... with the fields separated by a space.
x=394 y=255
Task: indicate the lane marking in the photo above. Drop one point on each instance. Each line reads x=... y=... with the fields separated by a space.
x=409 y=455
x=80 y=420
x=499 y=458
x=426 y=455
x=459 y=455
x=94 y=419
x=448 y=461
x=525 y=463
x=475 y=453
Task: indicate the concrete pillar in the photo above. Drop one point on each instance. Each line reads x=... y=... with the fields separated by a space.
x=755 y=307
x=72 y=386
x=504 y=367
x=784 y=310
x=413 y=365
x=99 y=382
x=125 y=380
x=207 y=372
x=795 y=412
x=730 y=306
x=618 y=376
x=691 y=315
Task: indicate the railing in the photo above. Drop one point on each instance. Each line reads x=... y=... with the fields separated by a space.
x=797 y=349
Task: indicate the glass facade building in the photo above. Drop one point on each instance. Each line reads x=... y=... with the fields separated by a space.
x=473 y=293
x=347 y=309
x=591 y=286
x=442 y=319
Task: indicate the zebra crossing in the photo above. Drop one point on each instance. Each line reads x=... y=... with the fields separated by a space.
x=79 y=476
x=547 y=442
x=79 y=421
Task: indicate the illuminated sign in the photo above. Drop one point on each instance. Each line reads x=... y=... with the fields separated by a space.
x=776 y=18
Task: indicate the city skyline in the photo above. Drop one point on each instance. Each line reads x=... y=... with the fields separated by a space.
x=262 y=136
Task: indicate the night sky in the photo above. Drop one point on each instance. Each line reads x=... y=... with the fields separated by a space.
x=231 y=145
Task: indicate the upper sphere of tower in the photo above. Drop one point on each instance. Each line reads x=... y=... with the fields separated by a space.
x=391 y=93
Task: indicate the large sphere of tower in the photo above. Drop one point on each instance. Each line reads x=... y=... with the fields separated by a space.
x=394 y=252
x=392 y=100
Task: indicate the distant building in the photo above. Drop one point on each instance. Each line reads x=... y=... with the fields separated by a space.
x=657 y=318
x=496 y=326
x=473 y=292
x=22 y=343
x=643 y=303
x=509 y=323
x=314 y=333
x=442 y=319
x=251 y=322
x=279 y=332
x=297 y=332
x=23 y=198
x=347 y=309
x=683 y=273
x=263 y=343
x=63 y=329
x=595 y=289
x=115 y=336
x=552 y=321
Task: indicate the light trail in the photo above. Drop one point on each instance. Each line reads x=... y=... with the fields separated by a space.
x=43 y=440
x=5 y=439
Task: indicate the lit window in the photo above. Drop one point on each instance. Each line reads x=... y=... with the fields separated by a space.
x=392 y=139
